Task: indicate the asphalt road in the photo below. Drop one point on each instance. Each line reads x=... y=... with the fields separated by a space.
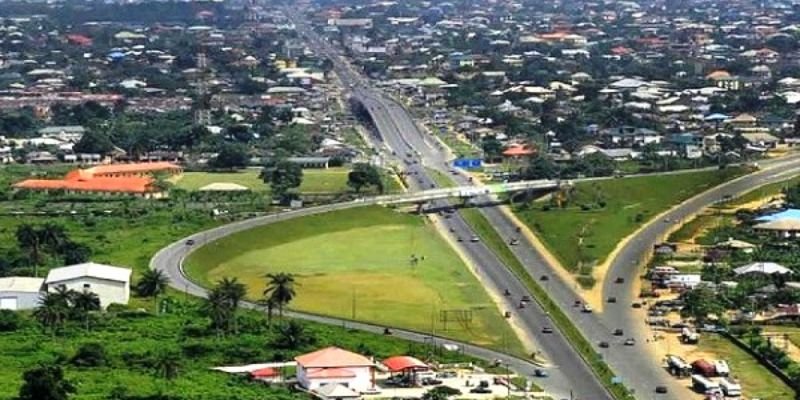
x=415 y=150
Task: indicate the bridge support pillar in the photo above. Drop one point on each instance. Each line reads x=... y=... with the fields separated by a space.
x=420 y=207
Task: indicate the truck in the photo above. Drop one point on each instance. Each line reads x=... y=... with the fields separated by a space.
x=689 y=337
x=721 y=367
x=704 y=368
x=702 y=384
x=678 y=367
x=730 y=387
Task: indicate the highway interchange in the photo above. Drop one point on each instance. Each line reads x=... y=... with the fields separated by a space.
x=570 y=377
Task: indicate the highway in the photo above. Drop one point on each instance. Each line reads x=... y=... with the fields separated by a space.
x=401 y=137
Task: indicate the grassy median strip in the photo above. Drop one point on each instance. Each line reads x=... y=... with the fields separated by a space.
x=496 y=243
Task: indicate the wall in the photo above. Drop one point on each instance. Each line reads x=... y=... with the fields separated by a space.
x=25 y=300
x=108 y=291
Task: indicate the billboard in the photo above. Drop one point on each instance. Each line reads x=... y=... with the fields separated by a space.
x=467 y=163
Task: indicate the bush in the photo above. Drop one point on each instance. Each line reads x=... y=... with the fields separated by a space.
x=90 y=355
x=9 y=321
x=586 y=281
x=196 y=349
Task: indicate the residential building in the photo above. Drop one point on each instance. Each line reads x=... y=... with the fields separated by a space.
x=111 y=284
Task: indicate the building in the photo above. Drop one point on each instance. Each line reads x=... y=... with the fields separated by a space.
x=763 y=268
x=111 y=284
x=132 y=179
x=332 y=366
x=20 y=293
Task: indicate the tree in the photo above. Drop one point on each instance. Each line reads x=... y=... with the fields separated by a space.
x=284 y=176
x=540 y=168
x=440 y=393
x=492 y=148
x=90 y=355
x=280 y=290
x=29 y=240
x=364 y=175
x=152 y=283
x=166 y=365
x=45 y=382
x=83 y=303
x=234 y=291
x=217 y=307
x=701 y=302
x=10 y=321
x=230 y=156
x=75 y=253
x=53 y=309
x=293 y=335
x=94 y=142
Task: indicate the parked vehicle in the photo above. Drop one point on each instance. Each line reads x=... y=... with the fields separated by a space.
x=587 y=308
x=721 y=368
x=703 y=368
x=730 y=387
x=688 y=336
x=703 y=384
x=678 y=367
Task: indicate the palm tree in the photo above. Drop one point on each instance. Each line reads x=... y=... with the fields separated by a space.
x=234 y=292
x=280 y=289
x=269 y=304
x=166 y=365
x=52 y=235
x=85 y=302
x=153 y=283
x=53 y=309
x=28 y=238
x=293 y=335
x=217 y=307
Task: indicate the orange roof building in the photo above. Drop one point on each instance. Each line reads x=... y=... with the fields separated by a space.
x=519 y=151
x=404 y=364
x=331 y=366
x=135 y=179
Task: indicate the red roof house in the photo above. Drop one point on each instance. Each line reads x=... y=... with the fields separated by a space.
x=331 y=366
x=117 y=178
x=519 y=151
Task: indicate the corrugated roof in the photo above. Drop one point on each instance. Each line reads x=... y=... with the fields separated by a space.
x=122 y=185
x=89 y=269
x=21 y=284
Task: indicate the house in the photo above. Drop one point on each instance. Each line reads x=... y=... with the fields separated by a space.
x=133 y=179
x=111 y=284
x=765 y=268
x=783 y=228
x=20 y=293
x=519 y=152
x=332 y=366
x=336 y=392
x=629 y=136
x=740 y=245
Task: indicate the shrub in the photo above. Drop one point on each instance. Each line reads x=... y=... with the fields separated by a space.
x=90 y=355
x=9 y=321
x=586 y=281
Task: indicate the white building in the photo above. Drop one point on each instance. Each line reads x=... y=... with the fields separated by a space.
x=20 y=293
x=111 y=284
x=334 y=366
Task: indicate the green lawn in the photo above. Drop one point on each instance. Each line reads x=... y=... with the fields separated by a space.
x=356 y=263
x=600 y=214
x=690 y=230
x=331 y=180
x=757 y=381
x=766 y=191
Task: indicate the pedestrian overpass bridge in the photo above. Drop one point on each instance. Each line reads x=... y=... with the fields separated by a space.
x=468 y=192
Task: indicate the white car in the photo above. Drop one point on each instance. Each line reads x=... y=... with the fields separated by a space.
x=587 y=308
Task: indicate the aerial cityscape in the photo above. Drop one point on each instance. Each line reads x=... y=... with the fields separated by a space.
x=419 y=199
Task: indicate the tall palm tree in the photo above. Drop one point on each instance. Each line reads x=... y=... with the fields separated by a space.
x=28 y=238
x=84 y=303
x=280 y=289
x=53 y=310
x=234 y=292
x=217 y=307
x=52 y=235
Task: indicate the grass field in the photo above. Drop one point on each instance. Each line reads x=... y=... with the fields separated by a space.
x=602 y=213
x=692 y=229
x=764 y=192
x=356 y=264
x=757 y=381
x=331 y=180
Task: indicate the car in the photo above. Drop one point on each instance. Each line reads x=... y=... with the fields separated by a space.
x=481 y=390
x=452 y=230
x=661 y=389
x=521 y=305
x=544 y=278
x=474 y=239
x=514 y=242
x=636 y=305
x=620 y=280
x=587 y=308
x=459 y=239
x=618 y=332
x=547 y=329
x=190 y=242
x=540 y=373
x=577 y=303
x=433 y=185
x=630 y=342
x=506 y=293
x=612 y=299
x=603 y=345
x=431 y=381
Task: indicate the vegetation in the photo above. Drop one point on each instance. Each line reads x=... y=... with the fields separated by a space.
x=365 y=175
x=371 y=264
x=584 y=225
